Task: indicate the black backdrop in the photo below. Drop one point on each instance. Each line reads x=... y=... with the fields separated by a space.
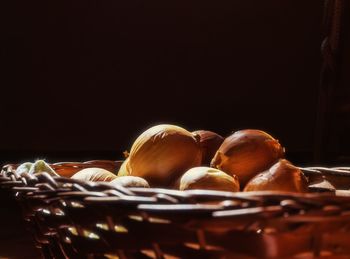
x=84 y=78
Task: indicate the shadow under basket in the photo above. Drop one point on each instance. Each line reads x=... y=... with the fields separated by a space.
x=76 y=219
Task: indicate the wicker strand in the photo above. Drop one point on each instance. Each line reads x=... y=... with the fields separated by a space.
x=207 y=219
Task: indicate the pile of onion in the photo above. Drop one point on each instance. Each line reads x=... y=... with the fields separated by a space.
x=162 y=154
x=170 y=156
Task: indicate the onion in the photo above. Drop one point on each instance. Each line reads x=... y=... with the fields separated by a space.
x=40 y=166
x=246 y=153
x=210 y=143
x=162 y=154
x=130 y=181
x=209 y=179
x=123 y=170
x=67 y=171
x=282 y=176
x=94 y=174
x=24 y=168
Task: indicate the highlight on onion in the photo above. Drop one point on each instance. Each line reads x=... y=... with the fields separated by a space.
x=40 y=166
x=282 y=176
x=130 y=181
x=246 y=153
x=24 y=168
x=123 y=170
x=162 y=154
x=94 y=174
x=209 y=179
x=209 y=142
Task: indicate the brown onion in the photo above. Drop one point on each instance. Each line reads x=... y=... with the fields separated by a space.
x=94 y=174
x=246 y=153
x=130 y=181
x=68 y=169
x=162 y=154
x=282 y=176
x=210 y=143
x=209 y=179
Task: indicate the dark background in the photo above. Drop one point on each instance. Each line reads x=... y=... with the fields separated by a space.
x=81 y=79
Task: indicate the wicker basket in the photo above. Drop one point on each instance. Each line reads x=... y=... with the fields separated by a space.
x=75 y=219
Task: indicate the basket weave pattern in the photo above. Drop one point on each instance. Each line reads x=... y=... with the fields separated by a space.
x=76 y=219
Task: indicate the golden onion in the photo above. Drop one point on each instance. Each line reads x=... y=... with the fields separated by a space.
x=282 y=176
x=209 y=179
x=130 y=181
x=162 y=154
x=123 y=170
x=94 y=174
x=210 y=143
x=40 y=166
x=246 y=153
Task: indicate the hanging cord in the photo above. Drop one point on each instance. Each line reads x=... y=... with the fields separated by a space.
x=332 y=19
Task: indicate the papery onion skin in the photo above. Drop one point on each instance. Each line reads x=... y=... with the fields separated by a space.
x=246 y=153
x=94 y=174
x=282 y=176
x=207 y=178
x=162 y=154
x=68 y=169
x=210 y=143
x=130 y=181
x=40 y=166
x=123 y=170
x=24 y=168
